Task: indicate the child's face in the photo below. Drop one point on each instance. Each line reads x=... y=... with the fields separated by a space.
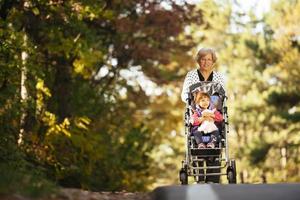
x=204 y=102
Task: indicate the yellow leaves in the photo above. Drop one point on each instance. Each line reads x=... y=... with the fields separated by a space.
x=54 y=128
x=286 y=72
x=87 y=9
x=285 y=14
x=85 y=64
x=82 y=122
x=35 y=11
x=67 y=133
x=121 y=140
x=49 y=118
x=284 y=22
x=108 y=14
x=42 y=93
x=40 y=86
x=83 y=11
x=63 y=128
x=290 y=57
x=131 y=105
x=171 y=66
x=78 y=66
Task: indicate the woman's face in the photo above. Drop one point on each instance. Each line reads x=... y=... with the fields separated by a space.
x=206 y=63
x=204 y=102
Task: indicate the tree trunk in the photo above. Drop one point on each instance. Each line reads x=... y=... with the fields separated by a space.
x=62 y=89
x=23 y=91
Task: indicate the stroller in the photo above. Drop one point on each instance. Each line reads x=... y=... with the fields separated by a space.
x=193 y=164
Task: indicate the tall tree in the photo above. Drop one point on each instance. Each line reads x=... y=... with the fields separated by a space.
x=86 y=113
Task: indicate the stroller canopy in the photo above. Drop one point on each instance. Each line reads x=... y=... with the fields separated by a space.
x=211 y=88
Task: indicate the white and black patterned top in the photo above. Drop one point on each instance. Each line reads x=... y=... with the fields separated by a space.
x=195 y=76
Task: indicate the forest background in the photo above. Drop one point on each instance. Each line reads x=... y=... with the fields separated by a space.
x=90 y=91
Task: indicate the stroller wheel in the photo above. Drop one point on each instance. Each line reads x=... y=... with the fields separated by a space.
x=231 y=172
x=183 y=177
x=230 y=177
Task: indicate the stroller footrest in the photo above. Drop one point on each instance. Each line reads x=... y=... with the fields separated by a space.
x=205 y=152
x=210 y=174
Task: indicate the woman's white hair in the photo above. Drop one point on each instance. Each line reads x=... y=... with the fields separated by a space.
x=204 y=51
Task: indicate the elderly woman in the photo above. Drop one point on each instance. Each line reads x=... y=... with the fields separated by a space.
x=206 y=58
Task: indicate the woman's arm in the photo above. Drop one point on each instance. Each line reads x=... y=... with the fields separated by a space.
x=219 y=77
x=186 y=84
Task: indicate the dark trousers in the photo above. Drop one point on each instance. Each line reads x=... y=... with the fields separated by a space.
x=213 y=162
x=210 y=162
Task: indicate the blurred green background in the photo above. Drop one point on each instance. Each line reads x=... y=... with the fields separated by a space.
x=90 y=90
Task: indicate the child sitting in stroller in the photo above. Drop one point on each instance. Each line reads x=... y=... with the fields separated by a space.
x=204 y=117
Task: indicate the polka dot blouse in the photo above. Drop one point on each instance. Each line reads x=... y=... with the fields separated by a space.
x=192 y=77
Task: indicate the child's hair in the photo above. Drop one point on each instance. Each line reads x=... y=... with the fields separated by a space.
x=200 y=95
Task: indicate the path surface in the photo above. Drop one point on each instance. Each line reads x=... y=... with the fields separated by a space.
x=229 y=192
x=191 y=192
x=78 y=194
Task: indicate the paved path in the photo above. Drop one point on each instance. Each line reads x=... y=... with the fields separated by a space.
x=229 y=192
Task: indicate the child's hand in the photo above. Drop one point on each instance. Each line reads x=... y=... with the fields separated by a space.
x=208 y=118
x=205 y=117
x=212 y=115
x=208 y=114
x=205 y=114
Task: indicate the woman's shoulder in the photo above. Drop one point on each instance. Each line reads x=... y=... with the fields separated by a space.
x=192 y=76
x=218 y=76
x=192 y=72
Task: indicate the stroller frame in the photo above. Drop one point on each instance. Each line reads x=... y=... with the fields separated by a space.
x=194 y=155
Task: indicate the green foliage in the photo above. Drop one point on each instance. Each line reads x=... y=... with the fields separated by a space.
x=84 y=119
x=259 y=152
x=18 y=181
x=277 y=97
x=272 y=70
x=18 y=175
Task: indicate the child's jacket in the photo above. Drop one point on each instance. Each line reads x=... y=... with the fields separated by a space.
x=206 y=126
